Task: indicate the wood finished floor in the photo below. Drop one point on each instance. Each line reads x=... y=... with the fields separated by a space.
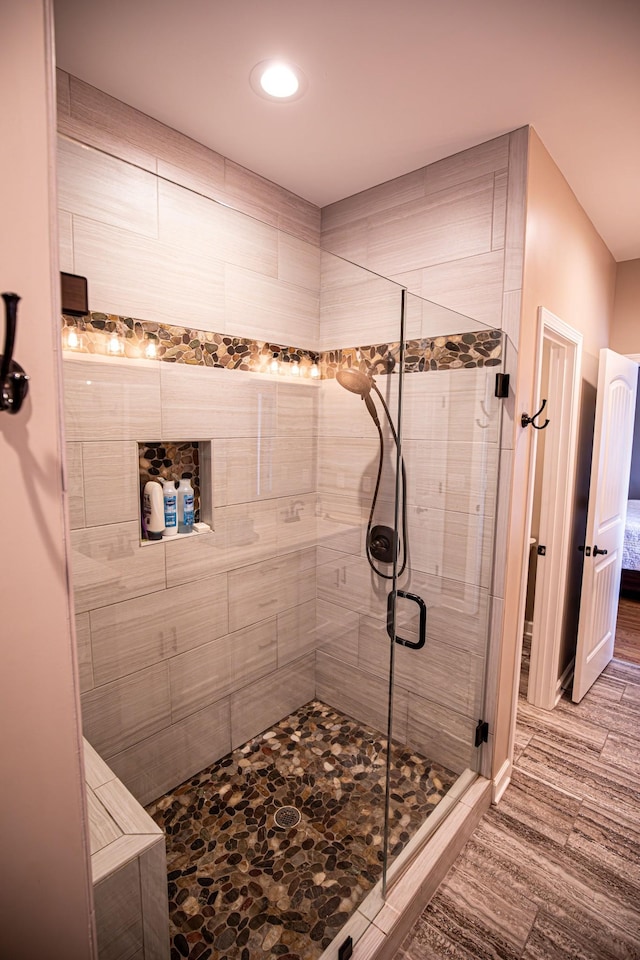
x=553 y=871
x=628 y=631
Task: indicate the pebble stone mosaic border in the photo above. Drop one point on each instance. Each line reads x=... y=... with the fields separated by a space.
x=175 y=344
x=241 y=888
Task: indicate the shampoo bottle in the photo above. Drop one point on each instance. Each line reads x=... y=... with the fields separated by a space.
x=170 y=509
x=185 y=505
x=153 y=510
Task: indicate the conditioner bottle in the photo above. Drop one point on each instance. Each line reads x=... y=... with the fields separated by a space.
x=170 y=509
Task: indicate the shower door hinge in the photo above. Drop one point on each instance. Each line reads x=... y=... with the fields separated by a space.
x=502 y=385
x=346 y=949
x=482 y=732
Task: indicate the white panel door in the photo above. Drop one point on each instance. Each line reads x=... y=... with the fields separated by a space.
x=615 y=411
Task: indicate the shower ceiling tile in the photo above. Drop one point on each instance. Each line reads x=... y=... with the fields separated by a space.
x=129 y=636
x=111 y=400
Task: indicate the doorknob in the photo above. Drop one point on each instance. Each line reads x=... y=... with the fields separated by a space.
x=596 y=551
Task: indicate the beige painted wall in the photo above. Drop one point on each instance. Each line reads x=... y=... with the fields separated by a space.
x=44 y=847
x=625 y=329
x=569 y=270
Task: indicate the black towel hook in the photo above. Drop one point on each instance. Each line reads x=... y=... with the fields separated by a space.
x=525 y=420
x=14 y=382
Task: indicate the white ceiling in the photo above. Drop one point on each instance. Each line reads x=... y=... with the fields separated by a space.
x=393 y=85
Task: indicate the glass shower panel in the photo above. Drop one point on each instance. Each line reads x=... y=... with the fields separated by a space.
x=449 y=450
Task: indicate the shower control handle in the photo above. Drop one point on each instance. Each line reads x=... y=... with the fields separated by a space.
x=391 y=627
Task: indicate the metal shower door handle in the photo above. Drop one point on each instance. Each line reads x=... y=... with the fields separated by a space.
x=391 y=627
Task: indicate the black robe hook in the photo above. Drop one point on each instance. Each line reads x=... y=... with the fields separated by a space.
x=526 y=420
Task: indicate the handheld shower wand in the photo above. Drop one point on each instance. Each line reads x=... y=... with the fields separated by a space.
x=381 y=542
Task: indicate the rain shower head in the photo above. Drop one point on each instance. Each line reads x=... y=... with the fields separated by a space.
x=356 y=382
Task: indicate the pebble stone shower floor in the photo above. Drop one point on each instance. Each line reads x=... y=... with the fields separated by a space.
x=242 y=888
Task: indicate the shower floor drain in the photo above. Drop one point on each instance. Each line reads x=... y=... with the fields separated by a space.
x=287 y=817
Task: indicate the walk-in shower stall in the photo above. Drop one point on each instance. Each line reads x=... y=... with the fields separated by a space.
x=295 y=690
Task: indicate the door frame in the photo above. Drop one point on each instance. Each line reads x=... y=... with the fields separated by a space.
x=557 y=491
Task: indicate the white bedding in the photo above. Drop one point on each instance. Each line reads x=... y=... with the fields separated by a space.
x=631 y=548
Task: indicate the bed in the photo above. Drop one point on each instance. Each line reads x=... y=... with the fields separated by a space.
x=630 y=582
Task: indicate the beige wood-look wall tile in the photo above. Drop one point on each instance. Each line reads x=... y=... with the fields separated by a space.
x=109 y=565
x=343 y=414
x=296 y=632
x=360 y=695
x=296 y=534
x=450 y=544
x=138 y=633
x=385 y=196
x=200 y=403
x=442 y=734
x=186 y=162
x=129 y=815
x=297 y=409
x=478 y=161
x=113 y=401
x=263 y=590
x=499 y=210
x=164 y=760
x=349 y=241
x=502 y=523
x=449 y=404
x=448 y=225
x=111 y=482
x=75 y=489
x=347 y=581
x=96 y=771
x=263 y=703
x=214 y=670
x=364 y=309
x=266 y=309
x=337 y=632
x=99 y=187
x=439 y=672
x=118 y=911
x=260 y=468
x=244 y=534
x=83 y=647
x=298 y=262
x=65 y=241
x=63 y=101
x=127 y=848
x=198 y=223
x=496 y=615
x=260 y=198
x=348 y=466
x=516 y=209
x=457 y=612
x=472 y=286
x=341 y=523
x=119 y=714
x=102 y=828
x=452 y=475
x=102 y=121
x=509 y=417
x=148 y=279
x=155 y=906
x=511 y=315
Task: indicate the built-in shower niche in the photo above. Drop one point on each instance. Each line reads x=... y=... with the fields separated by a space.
x=171 y=460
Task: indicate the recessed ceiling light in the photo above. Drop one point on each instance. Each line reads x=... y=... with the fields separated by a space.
x=277 y=80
